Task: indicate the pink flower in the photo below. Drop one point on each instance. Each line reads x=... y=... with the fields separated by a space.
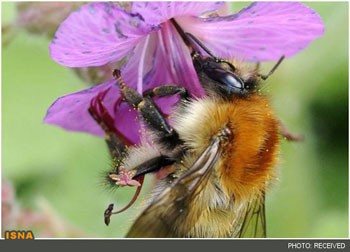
x=101 y=33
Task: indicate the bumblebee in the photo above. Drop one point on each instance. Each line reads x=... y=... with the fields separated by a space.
x=219 y=152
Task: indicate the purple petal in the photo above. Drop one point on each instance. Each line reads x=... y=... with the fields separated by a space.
x=162 y=58
x=148 y=68
x=71 y=112
x=166 y=60
x=263 y=31
x=177 y=55
x=127 y=122
x=159 y=12
x=96 y=34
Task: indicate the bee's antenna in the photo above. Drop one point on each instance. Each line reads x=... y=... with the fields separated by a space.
x=182 y=33
x=265 y=76
x=188 y=38
x=201 y=45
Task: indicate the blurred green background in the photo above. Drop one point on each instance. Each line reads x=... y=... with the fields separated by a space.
x=58 y=174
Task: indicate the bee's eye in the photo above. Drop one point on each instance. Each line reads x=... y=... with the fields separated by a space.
x=229 y=82
x=226 y=78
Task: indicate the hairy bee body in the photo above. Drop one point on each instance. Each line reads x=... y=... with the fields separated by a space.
x=247 y=161
x=236 y=181
x=218 y=153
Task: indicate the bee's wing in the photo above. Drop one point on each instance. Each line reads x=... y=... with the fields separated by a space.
x=252 y=221
x=158 y=219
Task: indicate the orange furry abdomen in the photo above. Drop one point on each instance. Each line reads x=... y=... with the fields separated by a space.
x=247 y=164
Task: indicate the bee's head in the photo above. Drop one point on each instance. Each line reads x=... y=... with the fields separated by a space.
x=220 y=77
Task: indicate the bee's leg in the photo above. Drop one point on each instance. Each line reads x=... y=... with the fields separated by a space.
x=116 y=142
x=288 y=135
x=124 y=177
x=265 y=76
x=150 y=114
x=167 y=90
